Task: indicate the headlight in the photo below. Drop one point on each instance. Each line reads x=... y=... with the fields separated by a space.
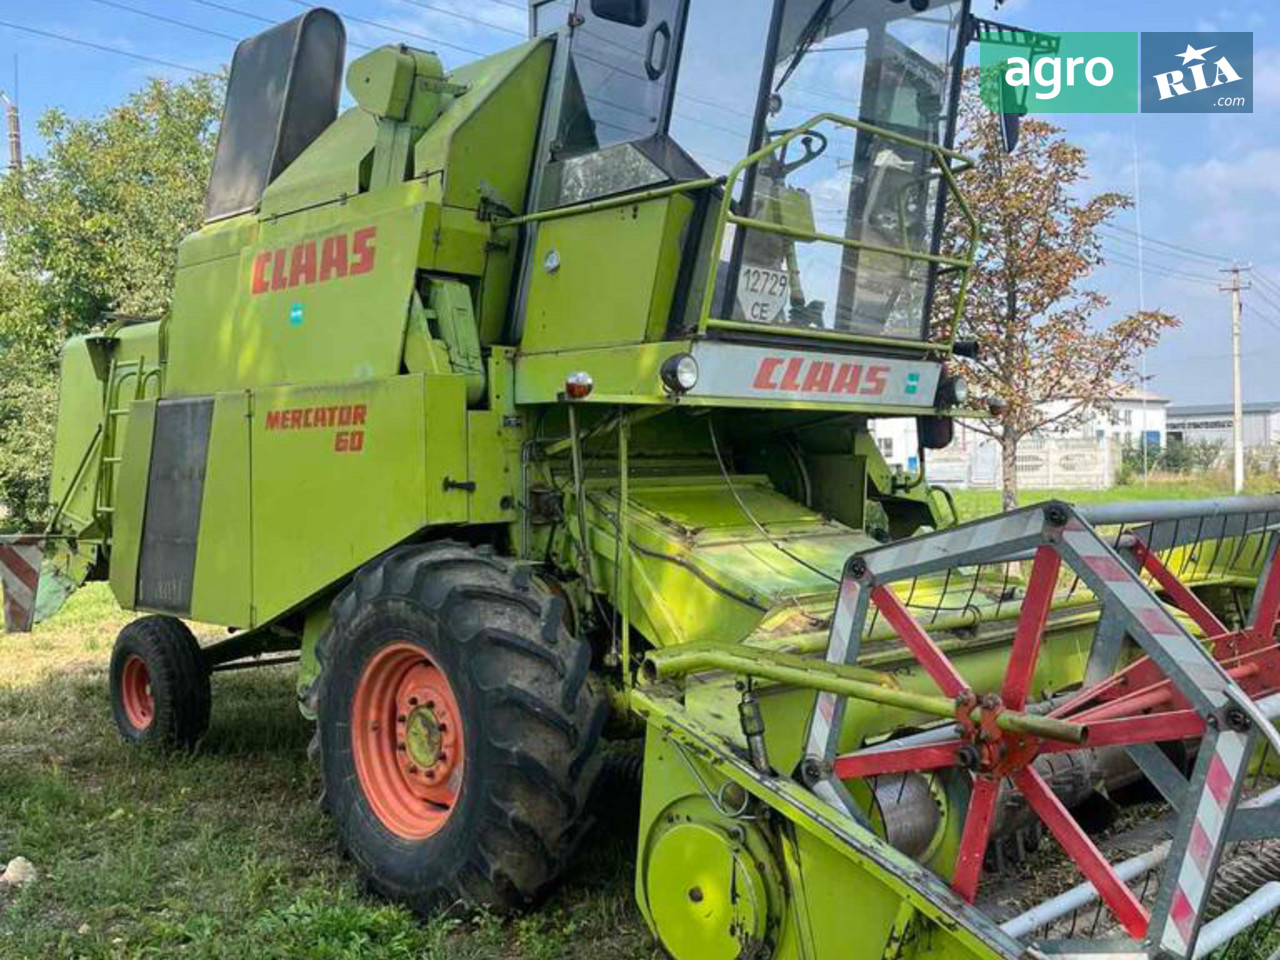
x=680 y=373
x=953 y=391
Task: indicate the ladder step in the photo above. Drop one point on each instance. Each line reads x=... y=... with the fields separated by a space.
x=118 y=412
x=112 y=459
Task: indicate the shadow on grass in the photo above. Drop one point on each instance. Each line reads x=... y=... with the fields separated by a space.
x=224 y=854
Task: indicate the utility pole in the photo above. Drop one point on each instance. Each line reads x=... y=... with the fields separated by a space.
x=1142 y=293
x=1237 y=414
x=15 y=128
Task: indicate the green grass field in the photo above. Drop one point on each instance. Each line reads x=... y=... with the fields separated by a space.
x=973 y=504
x=225 y=855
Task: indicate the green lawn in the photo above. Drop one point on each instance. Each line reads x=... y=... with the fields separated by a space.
x=973 y=504
x=224 y=854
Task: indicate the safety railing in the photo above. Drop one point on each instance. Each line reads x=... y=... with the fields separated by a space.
x=949 y=164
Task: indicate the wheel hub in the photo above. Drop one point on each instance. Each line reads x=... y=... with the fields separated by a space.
x=408 y=742
x=135 y=693
x=426 y=734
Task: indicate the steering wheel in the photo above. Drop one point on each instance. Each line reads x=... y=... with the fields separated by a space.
x=814 y=143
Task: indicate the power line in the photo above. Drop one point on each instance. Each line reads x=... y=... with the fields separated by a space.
x=104 y=48
x=163 y=19
x=1140 y=245
x=1110 y=256
x=226 y=9
x=462 y=16
x=1262 y=294
x=1266 y=281
x=1165 y=243
x=394 y=29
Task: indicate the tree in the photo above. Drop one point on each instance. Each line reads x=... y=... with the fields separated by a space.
x=1045 y=359
x=90 y=227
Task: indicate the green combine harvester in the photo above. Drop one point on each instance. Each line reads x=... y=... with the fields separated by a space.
x=526 y=406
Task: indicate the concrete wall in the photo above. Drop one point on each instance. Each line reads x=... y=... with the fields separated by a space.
x=973 y=459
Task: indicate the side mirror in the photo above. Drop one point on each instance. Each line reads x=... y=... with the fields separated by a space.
x=630 y=13
x=935 y=433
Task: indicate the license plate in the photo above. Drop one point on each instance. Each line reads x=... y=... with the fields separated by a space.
x=762 y=293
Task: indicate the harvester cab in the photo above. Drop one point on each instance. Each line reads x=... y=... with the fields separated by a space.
x=537 y=391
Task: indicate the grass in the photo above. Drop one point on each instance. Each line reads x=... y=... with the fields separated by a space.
x=223 y=854
x=972 y=504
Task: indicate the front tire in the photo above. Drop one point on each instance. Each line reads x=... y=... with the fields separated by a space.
x=160 y=691
x=459 y=727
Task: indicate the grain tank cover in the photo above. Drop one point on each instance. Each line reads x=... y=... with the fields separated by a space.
x=282 y=93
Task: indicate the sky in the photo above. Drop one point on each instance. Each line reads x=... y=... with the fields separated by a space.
x=1208 y=184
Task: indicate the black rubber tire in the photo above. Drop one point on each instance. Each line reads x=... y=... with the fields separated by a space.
x=531 y=713
x=179 y=682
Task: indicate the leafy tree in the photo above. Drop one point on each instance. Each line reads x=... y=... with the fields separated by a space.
x=1045 y=357
x=90 y=227
x=1178 y=456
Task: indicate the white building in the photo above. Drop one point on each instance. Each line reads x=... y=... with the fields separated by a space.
x=1212 y=423
x=1091 y=442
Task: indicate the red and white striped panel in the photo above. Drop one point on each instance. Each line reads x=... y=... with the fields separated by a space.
x=1208 y=832
x=844 y=623
x=19 y=580
x=1123 y=584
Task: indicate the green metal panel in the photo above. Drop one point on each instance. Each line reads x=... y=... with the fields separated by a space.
x=131 y=502
x=700 y=569
x=606 y=277
x=215 y=241
x=453 y=241
x=339 y=474
x=332 y=167
x=494 y=441
x=321 y=297
x=444 y=411
x=79 y=427
x=483 y=145
x=626 y=374
x=222 y=590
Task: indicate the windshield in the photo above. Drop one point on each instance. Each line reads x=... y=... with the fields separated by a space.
x=881 y=62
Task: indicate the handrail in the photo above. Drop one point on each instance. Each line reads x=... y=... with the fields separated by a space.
x=943 y=156
x=608 y=203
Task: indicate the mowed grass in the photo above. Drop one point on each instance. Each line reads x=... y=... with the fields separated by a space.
x=223 y=854
x=973 y=504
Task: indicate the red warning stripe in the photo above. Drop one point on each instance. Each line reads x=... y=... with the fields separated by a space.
x=1220 y=782
x=20 y=581
x=15 y=563
x=1183 y=915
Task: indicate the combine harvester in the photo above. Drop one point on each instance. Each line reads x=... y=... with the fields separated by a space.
x=513 y=425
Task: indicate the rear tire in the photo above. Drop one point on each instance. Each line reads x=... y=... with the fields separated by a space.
x=459 y=727
x=159 y=684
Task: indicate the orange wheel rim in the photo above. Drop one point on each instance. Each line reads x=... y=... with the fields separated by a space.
x=406 y=735
x=135 y=693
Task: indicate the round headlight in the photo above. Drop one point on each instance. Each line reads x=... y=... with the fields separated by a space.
x=953 y=391
x=680 y=373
